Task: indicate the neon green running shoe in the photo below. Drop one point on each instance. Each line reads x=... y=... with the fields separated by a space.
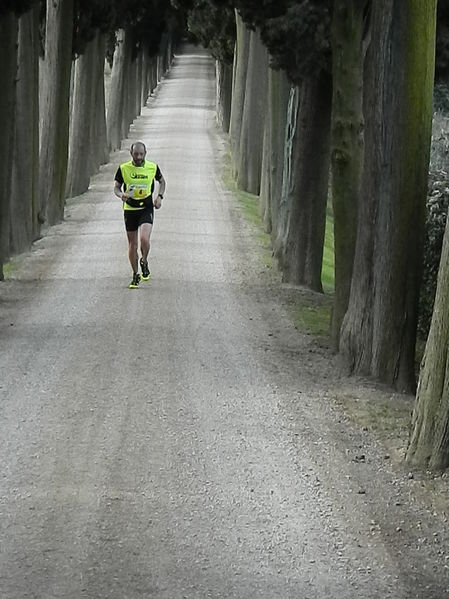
x=145 y=270
x=135 y=282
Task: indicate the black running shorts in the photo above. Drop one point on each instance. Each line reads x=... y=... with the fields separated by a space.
x=135 y=218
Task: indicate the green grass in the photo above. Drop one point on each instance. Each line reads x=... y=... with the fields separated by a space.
x=9 y=268
x=327 y=271
x=250 y=207
x=311 y=318
x=249 y=203
x=309 y=314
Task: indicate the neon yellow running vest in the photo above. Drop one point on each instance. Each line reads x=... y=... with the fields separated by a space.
x=138 y=181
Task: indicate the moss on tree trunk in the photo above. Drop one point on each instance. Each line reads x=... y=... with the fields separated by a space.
x=429 y=441
x=379 y=329
x=347 y=146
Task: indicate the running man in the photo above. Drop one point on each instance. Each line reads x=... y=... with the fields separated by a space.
x=134 y=185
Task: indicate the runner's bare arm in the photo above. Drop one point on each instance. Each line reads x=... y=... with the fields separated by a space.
x=157 y=203
x=118 y=191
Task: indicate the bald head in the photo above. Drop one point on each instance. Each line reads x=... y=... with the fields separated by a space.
x=138 y=151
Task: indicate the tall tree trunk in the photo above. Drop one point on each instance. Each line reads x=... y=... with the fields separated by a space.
x=253 y=117
x=159 y=68
x=273 y=148
x=283 y=208
x=164 y=57
x=429 y=441
x=130 y=88
x=152 y=74
x=100 y=152
x=347 y=146
x=303 y=256
x=117 y=92
x=145 y=76
x=139 y=84
x=55 y=119
x=25 y=184
x=224 y=94
x=379 y=329
x=81 y=138
x=131 y=95
x=8 y=50
x=238 y=89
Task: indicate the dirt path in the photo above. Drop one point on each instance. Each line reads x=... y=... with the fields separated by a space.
x=181 y=440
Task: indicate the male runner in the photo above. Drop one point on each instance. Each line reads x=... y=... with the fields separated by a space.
x=134 y=185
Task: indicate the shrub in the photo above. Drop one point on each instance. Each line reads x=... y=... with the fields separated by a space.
x=437 y=208
x=437 y=205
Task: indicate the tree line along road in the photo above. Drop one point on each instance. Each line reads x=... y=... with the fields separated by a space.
x=177 y=441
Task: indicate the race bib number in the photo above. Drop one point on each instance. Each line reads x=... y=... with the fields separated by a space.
x=138 y=192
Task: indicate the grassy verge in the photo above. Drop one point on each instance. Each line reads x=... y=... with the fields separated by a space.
x=310 y=312
x=249 y=204
x=309 y=316
x=9 y=268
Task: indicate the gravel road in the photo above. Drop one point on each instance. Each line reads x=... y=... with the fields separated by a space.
x=179 y=441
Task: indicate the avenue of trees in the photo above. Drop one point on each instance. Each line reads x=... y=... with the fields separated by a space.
x=325 y=102
x=57 y=129
x=332 y=100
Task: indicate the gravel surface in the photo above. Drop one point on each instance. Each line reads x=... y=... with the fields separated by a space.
x=182 y=440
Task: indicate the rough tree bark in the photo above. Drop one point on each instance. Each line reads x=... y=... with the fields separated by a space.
x=55 y=110
x=346 y=146
x=81 y=138
x=283 y=207
x=25 y=184
x=131 y=93
x=302 y=258
x=130 y=89
x=100 y=153
x=273 y=148
x=152 y=81
x=379 y=330
x=165 y=55
x=139 y=84
x=238 y=90
x=253 y=117
x=429 y=441
x=117 y=93
x=8 y=51
x=146 y=68
x=224 y=94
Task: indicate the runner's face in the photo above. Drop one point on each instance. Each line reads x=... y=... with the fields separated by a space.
x=138 y=154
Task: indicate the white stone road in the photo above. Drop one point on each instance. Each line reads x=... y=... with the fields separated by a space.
x=171 y=442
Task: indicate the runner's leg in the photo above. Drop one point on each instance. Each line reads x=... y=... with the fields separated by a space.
x=145 y=233
x=132 y=250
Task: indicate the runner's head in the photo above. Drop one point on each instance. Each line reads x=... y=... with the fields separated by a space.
x=138 y=152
